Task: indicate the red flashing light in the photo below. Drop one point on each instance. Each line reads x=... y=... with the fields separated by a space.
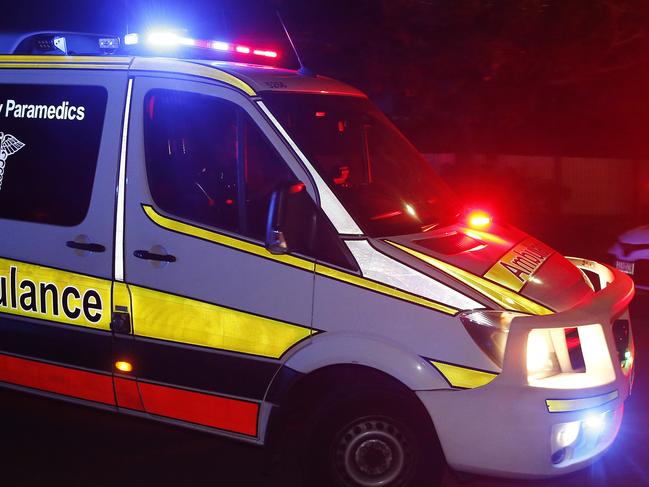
x=479 y=219
x=260 y=52
x=242 y=49
x=320 y=114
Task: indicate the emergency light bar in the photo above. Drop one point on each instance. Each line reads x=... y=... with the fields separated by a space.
x=57 y=43
x=168 y=39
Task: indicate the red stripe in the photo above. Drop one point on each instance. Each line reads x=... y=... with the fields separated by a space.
x=60 y=380
x=217 y=412
x=127 y=394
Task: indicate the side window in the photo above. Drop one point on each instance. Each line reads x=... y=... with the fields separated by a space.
x=208 y=162
x=49 y=143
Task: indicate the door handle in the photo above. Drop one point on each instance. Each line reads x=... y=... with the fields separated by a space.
x=146 y=255
x=88 y=247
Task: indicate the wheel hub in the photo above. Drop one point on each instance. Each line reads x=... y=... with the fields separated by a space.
x=373 y=457
x=372 y=452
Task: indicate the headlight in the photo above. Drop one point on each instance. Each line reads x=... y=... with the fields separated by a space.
x=489 y=331
x=566 y=357
x=541 y=356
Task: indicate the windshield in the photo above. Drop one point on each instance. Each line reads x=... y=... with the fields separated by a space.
x=385 y=184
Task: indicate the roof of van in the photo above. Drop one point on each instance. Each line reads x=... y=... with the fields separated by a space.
x=268 y=78
x=250 y=78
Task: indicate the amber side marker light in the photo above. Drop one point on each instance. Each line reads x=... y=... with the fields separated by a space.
x=479 y=219
x=124 y=366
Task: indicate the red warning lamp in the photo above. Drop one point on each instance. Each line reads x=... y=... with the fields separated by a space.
x=478 y=219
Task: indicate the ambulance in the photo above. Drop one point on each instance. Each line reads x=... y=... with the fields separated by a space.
x=258 y=253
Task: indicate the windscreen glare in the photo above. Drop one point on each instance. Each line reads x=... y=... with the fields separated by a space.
x=385 y=184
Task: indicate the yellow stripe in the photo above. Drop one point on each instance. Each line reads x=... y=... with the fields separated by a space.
x=66 y=59
x=121 y=297
x=499 y=294
x=32 y=307
x=139 y=63
x=235 y=243
x=375 y=286
x=155 y=314
x=462 y=376
x=251 y=248
x=192 y=69
x=63 y=66
x=178 y=319
x=567 y=405
x=515 y=259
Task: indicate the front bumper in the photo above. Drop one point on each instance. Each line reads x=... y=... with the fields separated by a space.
x=510 y=428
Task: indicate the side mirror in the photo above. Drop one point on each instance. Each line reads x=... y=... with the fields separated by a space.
x=275 y=239
x=283 y=202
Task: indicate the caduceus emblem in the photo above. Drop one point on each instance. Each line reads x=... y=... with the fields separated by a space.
x=9 y=145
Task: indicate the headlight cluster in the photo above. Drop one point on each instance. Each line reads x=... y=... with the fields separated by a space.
x=549 y=352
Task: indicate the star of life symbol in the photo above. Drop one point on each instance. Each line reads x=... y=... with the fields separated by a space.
x=9 y=145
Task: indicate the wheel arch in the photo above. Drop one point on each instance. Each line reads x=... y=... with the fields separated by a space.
x=387 y=356
x=341 y=362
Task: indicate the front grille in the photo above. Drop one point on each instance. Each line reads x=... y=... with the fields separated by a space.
x=622 y=334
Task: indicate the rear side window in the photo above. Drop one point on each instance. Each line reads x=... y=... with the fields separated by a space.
x=208 y=162
x=49 y=143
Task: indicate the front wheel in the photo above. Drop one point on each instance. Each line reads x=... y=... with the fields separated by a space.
x=375 y=441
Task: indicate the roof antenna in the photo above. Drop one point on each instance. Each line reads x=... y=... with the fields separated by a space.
x=304 y=71
x=126 y=14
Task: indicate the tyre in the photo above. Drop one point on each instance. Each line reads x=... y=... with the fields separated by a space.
x=374 y=440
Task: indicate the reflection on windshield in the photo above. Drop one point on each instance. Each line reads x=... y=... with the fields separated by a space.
x=385 y=184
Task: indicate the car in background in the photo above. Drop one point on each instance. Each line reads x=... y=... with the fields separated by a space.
x=630 y=254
